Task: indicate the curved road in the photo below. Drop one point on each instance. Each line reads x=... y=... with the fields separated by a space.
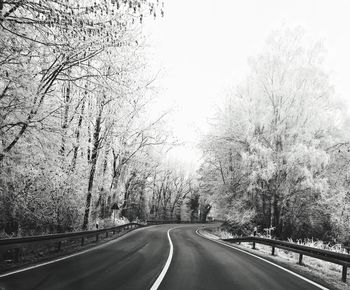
x=135 y=261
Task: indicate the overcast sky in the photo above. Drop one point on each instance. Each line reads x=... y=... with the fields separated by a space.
x=202 y=47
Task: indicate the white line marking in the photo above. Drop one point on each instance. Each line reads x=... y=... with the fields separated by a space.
x=67 y=257
x=267 y=261
x=167 y=264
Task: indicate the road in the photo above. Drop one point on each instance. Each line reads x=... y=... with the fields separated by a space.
x=135 y=260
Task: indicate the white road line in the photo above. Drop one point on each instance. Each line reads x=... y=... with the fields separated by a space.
x=66 y=257
x=167 y=264
x=267 y=261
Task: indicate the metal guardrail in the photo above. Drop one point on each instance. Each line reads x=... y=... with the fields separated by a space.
x=325 y=255
x=169 y=222
x=14 y=246
x=17 y=244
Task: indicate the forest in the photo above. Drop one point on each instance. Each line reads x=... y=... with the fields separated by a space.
x=277 y=153
x=79 y=144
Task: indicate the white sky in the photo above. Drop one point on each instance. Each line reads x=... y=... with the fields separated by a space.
x=202 y=47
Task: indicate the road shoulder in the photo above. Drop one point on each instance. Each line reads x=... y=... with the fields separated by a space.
x=306 y=271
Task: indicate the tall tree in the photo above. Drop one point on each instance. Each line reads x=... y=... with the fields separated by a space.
x=268 y=150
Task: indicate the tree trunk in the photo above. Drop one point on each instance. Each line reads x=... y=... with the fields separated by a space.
x=38 y=101
x=77 y=137
x=93 y=161
x=118 y=163
x=204 y=212
x=14 y=141
x=66 y=100
x=273 y=208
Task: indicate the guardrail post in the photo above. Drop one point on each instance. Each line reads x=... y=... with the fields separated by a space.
x=273 y=251
x=107 y=234
x=17 y=252
x=59 y=244
x=253 y=245
x=82 y=241
x=344 y=273
x=300 y=259
x=96 y=237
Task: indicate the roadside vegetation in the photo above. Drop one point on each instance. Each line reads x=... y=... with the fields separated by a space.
x=312 y=268
x=277 y=154
x=78 y=145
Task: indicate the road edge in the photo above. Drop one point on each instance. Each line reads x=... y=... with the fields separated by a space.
x=265 y=260
x=116 y=239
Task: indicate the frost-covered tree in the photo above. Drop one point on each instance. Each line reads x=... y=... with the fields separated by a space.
x=267 y=152
x=70 y=76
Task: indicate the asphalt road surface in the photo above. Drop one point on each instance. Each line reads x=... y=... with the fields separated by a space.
x=136 y=260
